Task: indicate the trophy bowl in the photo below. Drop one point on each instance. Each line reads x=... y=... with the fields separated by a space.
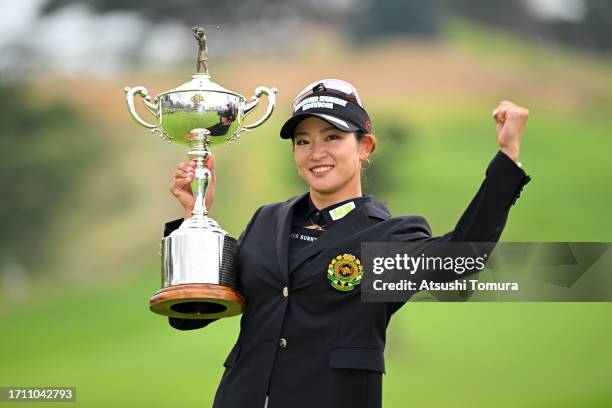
x=199 y=104
x=199 y=258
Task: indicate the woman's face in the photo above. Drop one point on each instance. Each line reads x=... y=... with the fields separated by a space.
x=327 y=158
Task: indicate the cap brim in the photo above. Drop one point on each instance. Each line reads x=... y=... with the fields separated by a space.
x=288 y=129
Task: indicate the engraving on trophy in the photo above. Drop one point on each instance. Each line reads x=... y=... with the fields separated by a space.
x=197 y=99
x=198 y=258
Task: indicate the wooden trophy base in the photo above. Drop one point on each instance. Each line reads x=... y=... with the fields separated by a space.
x=197 y=301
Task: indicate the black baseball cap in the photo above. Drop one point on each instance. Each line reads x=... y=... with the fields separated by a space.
x=336 y=108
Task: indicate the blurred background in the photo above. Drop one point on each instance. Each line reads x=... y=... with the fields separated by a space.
x=85 y=190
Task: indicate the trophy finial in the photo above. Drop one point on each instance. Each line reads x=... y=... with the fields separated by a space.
x=200 y=36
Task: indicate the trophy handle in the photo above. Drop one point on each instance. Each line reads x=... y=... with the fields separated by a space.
x=146 y=99
x=248 y=108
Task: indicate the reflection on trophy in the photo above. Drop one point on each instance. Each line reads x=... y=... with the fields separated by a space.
x=198 y=259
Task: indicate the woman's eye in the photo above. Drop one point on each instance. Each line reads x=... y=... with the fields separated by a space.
x=301 y=142
x=333 y=137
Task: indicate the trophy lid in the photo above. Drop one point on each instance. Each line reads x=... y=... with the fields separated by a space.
x=201 y=80
x=200 y=83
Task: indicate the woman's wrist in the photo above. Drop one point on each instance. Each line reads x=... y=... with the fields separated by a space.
x=511 y=152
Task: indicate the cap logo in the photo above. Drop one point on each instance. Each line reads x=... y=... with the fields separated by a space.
x=368 y=125
x=321 y=101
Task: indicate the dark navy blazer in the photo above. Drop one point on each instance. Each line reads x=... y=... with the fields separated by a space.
x=318 y=346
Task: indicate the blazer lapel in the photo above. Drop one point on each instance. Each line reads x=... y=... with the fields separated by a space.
x=283 y=228
x=342 y=229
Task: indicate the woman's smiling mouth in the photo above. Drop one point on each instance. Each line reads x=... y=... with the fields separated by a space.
x=321 y=169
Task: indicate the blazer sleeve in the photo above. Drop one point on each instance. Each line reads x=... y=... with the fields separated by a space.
x=191 y=324
x=486 y=215
x=483 y=220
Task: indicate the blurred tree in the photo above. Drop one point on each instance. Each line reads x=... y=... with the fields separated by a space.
x=592 y=31
x=371 y=19
x=45 y=153
x=383 y=177
x=505 y=13
x=192 y=12
x=382 y=18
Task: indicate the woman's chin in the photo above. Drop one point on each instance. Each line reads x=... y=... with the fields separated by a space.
x=322 y=187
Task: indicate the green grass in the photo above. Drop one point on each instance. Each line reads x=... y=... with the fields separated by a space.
x=501 y=355
x=437 y=172
x=500 y=46
x=107 y=344
x=117 y=353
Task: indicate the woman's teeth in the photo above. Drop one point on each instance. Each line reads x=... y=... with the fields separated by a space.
x=321 y=169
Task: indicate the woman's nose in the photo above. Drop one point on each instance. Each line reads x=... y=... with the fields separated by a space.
x=318 y=151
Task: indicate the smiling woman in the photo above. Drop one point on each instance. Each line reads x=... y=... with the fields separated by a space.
x=299 y=262
x=328 y=160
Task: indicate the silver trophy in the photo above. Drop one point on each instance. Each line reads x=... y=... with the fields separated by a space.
x=198 y=258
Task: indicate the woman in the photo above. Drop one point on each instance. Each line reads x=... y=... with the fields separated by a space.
x=306 y=339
